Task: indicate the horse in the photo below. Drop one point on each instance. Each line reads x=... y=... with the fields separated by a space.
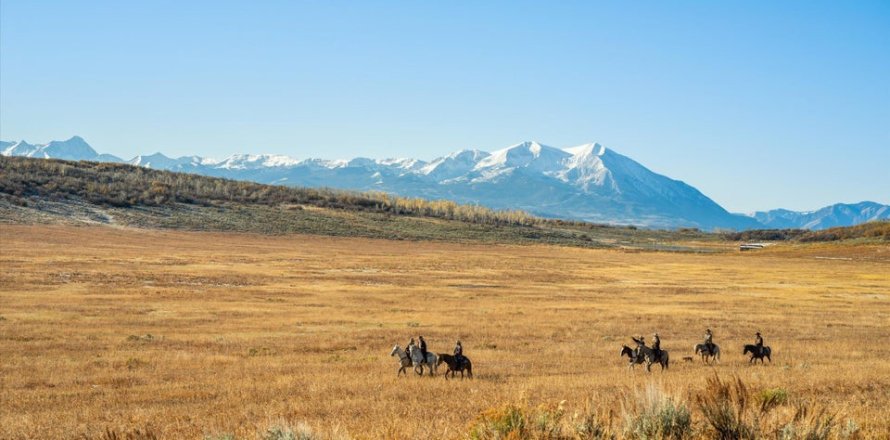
x=647 y=355
x=705 y=353
x=404 y=361
x=417 y=359
x=632 y=358
x=764 y=352
x=454 y=366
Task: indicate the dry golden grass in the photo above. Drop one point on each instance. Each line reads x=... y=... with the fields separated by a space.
x=249 y=330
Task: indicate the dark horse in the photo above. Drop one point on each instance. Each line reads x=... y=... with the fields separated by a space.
x=455 y=366
x=756 y=353
x=645 y=355
x=632 y=358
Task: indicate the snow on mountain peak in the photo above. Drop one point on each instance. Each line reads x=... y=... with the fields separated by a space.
x=254 y=161
x=453 y=165
x=403 y=163
x=594 y=149
x=527 y=154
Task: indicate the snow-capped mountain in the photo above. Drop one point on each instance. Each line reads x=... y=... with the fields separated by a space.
x=840 y=214
x=587 y=182
x=73 y=149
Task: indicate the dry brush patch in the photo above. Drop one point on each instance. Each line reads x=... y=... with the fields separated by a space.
x=183 y=335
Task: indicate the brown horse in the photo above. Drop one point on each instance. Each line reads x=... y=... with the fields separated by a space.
x=453 y=366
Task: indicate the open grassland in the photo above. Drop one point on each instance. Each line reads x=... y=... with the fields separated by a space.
x=192 y=334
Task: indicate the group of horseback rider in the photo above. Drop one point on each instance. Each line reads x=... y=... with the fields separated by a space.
x=709 y=342
x=458 y=350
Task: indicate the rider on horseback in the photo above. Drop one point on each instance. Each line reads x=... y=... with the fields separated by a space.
x=709 y=340
x=422 y=347
x=758 y=341
x=640 y=343
x=408 y=351
x=656 y=346
x=459 y=353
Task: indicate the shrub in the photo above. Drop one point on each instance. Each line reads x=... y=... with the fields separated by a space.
x=136 y=434
x=726 y=406
x=771 y=398
x=809 y=423
x=284 y=431
x=590 y=425
x=497 y=423
x=654 y=415
x=850 y=430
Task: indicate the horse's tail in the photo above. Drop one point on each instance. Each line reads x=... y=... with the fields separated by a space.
x=470 y=368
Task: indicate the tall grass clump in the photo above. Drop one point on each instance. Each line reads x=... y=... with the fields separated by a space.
x=508 y=421
x=653 y=414
x=545 y=422
x=733 y=411
x=285 y=431
x=728 y=408
x=592 y=424
x=808 y=423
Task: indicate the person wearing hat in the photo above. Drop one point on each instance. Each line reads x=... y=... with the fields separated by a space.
x=656 y=345
x=458 y=353
x=758 y=341
x=709 y=340
x=422 y=347
x=641 y=342
x=408 y=350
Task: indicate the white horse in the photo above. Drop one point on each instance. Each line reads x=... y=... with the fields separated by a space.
x=404 y=361
x=419 y=362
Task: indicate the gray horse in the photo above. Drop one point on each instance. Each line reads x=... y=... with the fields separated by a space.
x=706 y=354
x=404 y=361
x=417 y=359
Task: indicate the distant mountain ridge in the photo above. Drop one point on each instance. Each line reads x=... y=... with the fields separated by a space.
x=588 y=182
x=840 y=214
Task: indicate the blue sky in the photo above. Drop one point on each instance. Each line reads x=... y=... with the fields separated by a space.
x=758 y=104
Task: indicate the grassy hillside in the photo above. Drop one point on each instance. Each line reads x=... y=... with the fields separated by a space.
x=55 y=191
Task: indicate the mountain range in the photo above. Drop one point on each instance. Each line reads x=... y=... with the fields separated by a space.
x=588 y=182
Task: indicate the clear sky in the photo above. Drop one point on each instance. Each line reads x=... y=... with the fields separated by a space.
x=757 y=104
